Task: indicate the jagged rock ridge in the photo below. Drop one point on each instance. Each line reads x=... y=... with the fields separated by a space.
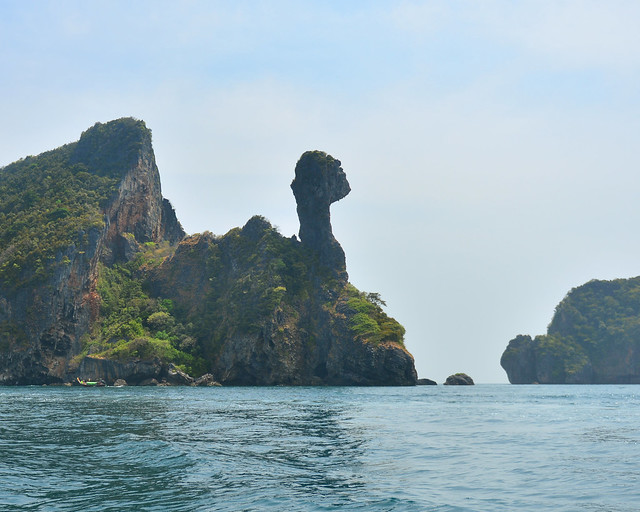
x=253 y=296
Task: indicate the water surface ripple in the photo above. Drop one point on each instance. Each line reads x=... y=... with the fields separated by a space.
x=445 y=449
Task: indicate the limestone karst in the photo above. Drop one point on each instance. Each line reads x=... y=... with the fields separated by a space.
x=99 y=281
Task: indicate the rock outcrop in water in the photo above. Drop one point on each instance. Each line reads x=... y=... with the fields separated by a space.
x=592 y=339
x=98 y=281
x=459 y=379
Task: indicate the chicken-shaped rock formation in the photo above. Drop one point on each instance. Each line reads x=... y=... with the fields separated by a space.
x=320 y=181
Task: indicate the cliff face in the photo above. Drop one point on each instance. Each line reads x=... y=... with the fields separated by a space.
x=43 y=322
x=592 y=339
x=43 y=325
x=139 y=207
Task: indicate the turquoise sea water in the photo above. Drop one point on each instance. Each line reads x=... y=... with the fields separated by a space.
x=480 y=448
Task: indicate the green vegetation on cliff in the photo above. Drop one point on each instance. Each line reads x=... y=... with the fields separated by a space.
x=252 y=273
x=52 y=201
x=183 y=306
x=46 y=205
x=599 y=314
x=134 y=325
x=367 y=321
x=254 y=279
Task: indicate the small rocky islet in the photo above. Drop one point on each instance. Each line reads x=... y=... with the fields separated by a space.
x=98 y=280
x=459 y=379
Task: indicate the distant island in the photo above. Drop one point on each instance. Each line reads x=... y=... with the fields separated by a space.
x=593 y=338
x=98 y=281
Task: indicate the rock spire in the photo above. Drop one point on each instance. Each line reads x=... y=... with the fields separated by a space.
x=319 y=182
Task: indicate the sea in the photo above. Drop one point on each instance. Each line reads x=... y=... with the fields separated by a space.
x=428 y=448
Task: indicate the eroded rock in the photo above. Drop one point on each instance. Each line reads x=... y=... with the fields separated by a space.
x=459 y=379
x=177 y=377
x=206 y=380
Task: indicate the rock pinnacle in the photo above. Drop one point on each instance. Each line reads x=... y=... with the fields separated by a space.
x=319 y=182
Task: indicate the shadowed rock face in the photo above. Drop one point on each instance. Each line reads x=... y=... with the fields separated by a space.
x=320 y=181
x=519 y=360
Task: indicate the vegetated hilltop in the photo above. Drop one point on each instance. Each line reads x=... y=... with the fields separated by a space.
x=593 y=338
x=97 y=280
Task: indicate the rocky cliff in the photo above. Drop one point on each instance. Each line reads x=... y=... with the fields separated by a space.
x=112 y=194
x=266 y=313
x=94 y=284
x=593 y=338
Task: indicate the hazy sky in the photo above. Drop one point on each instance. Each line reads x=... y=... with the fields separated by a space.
x=491 y=146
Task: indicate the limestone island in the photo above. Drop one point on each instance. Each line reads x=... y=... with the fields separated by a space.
x=99 y=283
x=593 y=338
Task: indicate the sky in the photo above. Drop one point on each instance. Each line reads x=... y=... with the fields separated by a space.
x=491 y=147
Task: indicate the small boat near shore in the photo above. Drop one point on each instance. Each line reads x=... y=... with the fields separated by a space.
x=91 y=384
